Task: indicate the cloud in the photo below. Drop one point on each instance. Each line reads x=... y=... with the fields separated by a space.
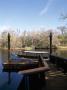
x=45 y=9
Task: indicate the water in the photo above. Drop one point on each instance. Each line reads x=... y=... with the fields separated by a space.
x=61 y=53
x=15 y=77
x=58 y=52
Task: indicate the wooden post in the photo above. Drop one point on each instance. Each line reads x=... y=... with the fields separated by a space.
x=8 y=47
x=50 y=43
x=9 y=74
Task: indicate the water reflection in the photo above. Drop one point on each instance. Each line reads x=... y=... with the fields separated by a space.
x=4 y=55
x=58 y=52
x=15 y=77
x=61 y=53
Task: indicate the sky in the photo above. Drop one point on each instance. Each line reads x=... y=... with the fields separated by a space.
x=31 y=14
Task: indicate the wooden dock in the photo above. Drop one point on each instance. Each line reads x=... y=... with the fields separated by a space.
x=33 y=54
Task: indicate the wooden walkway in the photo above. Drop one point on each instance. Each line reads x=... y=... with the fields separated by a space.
x=55 y=80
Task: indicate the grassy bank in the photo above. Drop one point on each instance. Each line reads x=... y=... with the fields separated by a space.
x=23 y=49
x=62 y=47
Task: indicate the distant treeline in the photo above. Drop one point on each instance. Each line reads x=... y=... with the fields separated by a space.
x=34 y=39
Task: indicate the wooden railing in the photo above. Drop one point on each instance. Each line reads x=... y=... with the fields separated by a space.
x=37 y=74
x=39 y=68
x=33 y=55
x=43 y=67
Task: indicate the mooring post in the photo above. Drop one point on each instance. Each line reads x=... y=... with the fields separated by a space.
x=9 y=74
x=50 y=44
x=8 y=47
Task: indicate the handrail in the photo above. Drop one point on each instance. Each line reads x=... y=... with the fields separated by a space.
x=35 y=70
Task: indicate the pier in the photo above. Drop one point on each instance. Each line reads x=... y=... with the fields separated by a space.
x=39 y=69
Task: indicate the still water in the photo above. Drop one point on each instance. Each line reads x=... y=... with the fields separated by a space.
x=58 y=52
x=15 y=77
x=61 y=53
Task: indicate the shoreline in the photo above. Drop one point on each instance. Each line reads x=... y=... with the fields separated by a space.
x=29 y=48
